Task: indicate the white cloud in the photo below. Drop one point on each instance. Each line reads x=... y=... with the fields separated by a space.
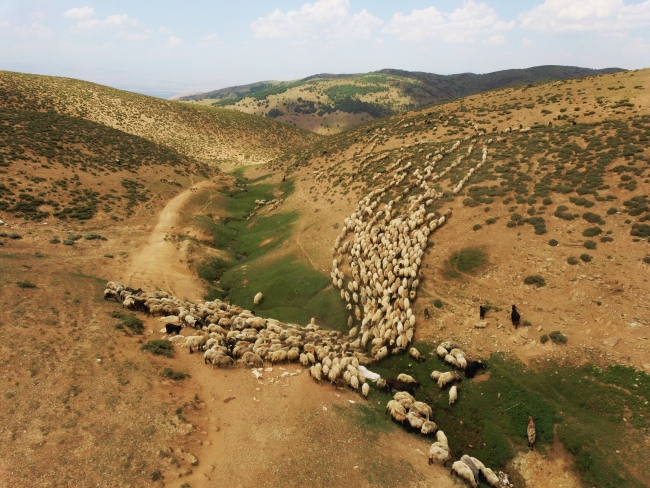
x=208 y=38
x=173 y=41
x=329 y=18
x=526 y=42
x=586 y=16
x=495 y=40
x=112 y=21
x=31 y=31
x=164 y=30
x=133 y=36
x=463 y=25
x=80 y=13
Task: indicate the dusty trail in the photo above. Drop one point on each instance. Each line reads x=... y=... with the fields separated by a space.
x=158 y=262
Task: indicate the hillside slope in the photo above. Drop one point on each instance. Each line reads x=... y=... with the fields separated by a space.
x=556 y=221
x=328 y=104
x=208 y=134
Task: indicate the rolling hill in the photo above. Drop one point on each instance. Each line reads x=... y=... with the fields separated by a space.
x=211 y=135
x=328 y=104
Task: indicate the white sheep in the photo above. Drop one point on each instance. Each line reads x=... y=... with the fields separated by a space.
x=464 y=472
x=407 y=379
x=428 y=428
x=447 y=377
x=365 y=389
x=258 y=298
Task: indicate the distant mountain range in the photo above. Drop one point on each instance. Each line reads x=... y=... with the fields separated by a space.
x=328 y=103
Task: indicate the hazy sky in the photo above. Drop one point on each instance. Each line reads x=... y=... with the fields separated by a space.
x=167 y=46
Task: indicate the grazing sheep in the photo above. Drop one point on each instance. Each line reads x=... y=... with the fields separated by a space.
x=435 y=375
x=252 y=360
x=258 y=298
x=400 y=386
x=415 y=354
x=365 y=389
x=451 y=360
x=472 y=368
x=441 y=352
x=462 y=362
x=210 y=354
x=468 y=461
x=453 y=394
x=491 y=477
x=464 y=472
x=108 y=294
x=407 y=379
x=447 y=377
x=428 y=428
x=439 y=450
x=396 y=411
x=422 y=409
x=195 y=341
x=414 y=421
x=515 y=316
x=316 y=373
x=531 y=432
x=381 y=384
x=223 y=361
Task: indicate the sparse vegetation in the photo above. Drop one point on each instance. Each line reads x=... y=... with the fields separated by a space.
x=159 y=347
x=536 y=280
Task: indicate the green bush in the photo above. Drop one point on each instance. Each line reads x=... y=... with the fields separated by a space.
x=547 y=201
x=55 y=240
x=585 y=257
x=511 y=224
x=590 y=245
x=543 y=339
x=572 y=260
x=438 y=303
x=213 y=268
x=646 y=259
x=593 y=218
x=93 y=236
x=477 y=227
x=592 y=231
x=553 y=242
x=25 y=284
x=536 y=280
x=612 y=211
x=15 y=235
x=557 y=337
x=169 y=373
x=606 y=239
x=160 y=347
x=640 y=230
x=128 y=320
x=466 y=261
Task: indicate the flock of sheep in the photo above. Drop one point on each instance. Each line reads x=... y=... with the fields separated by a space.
x=376 y=266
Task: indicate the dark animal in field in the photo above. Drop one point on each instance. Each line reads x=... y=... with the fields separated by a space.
x=472 y=368
x=481 y=311
x=426 y=314
x=515 y=317
x=173 y=329
x=400 y=386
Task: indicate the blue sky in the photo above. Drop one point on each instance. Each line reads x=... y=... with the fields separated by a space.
x=164 y=46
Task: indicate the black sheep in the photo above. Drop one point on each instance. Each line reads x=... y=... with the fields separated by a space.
x=472 y=368
x=426 y=314
x=514 y=316
x=173 y=329
x=481 y=311
x=400 y=386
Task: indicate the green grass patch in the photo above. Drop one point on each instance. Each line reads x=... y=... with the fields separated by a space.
x=159 y=347
x=465 y=261
x=25 y=284
x=293 y=292
x=536 y=280
x=128 y=320
x=170 y=374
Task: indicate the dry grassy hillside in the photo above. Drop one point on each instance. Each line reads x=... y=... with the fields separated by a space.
x=209 y=135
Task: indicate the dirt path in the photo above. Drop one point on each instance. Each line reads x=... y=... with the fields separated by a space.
x=159 y=263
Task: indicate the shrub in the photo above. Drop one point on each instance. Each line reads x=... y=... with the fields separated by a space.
x=557 y=337
x=590 y=245
x=14 y=235
x=468 y=260
x=585 y=257
x=640 y=230
x=477 y=227
x=160 y=347
x=612 y=211
x=547 y=201
x=55 y=240
x=511 y=224
x=169 y=373
x=592 y=231
x=593 y=218
x=536 y=280
x=25 y=284
x=543 y=339
x=437 y=303
x=93 y=236
x=553 y=242
x=128 y=320
x=572 y=260
x=606 y=239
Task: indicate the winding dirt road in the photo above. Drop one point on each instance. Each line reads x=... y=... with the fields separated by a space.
x=159 y=263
